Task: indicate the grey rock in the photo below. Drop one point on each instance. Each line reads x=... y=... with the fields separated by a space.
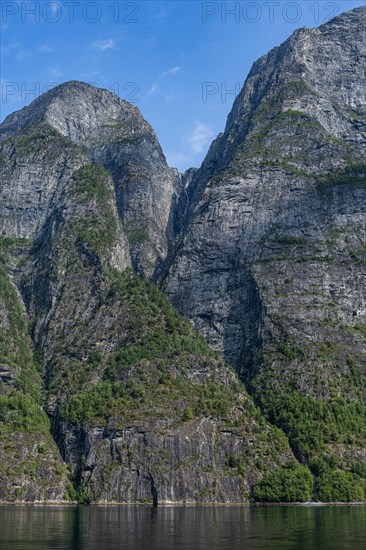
x=263 y=249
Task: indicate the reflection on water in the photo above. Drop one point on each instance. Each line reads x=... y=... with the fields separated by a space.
x=191 y=528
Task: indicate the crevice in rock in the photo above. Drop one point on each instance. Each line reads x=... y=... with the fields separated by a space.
x=154 y=491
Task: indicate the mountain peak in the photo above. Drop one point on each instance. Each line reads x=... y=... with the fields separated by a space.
x=75 y=109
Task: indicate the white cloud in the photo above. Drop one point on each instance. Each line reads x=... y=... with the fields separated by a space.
x=45 y=48
x=161 y=14
x=55 y=72
x=22 y=54
x=170 y=72
x=154 y=89
x=9 y=48
x=103 y=45
x=200 y=137
x=90 y=74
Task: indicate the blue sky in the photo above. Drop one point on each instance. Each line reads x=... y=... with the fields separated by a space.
x=180 y=62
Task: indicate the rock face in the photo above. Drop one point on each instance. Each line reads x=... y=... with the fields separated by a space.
x=140 y=407
x=271 y=266
x=68 y=125
x=262 y=248
x=31 y=468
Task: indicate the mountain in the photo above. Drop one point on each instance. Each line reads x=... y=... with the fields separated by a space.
x=107 y=392
x=74 y=122
x=271 y=266
x=140 y=408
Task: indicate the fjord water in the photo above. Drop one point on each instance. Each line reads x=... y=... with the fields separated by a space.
x=179 y=528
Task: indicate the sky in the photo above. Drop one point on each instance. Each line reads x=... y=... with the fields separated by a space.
x=180 y=62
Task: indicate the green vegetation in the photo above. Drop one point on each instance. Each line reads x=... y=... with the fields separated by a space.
x=290 y=240
x=91 y=182
x=338 y=486
x=311 y=424
x=150 y=374
x=28 y=455
x=162 y=370
x=356 y=114
x=35 y=139
x=10 y=246
x=41 y=139
x=278 y=120
x=140 y=398
x=121 y=141
x=319 y=405
x=98 y=226
x=335 y=485
x=9 y=243
x=297 y=88
x=271 y=108
x=21 y=412
x=292 y=483
x=29 y=144
x=234 y=461
x=138 y=235
x=353 y=175
x=290 y=351
x=20 y=408
x=280 y=138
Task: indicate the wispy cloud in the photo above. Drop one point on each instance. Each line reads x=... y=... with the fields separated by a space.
x=23 y=54
x=8 y=48
x=200 y=137
x=154 y=89
x=170 y=72
x=103 y=45
x=45 y=48
x=161 y=14
x=89 y=74
x=55 y=72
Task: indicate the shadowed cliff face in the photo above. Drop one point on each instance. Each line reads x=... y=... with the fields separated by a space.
x=271 y=267
x=262 y=249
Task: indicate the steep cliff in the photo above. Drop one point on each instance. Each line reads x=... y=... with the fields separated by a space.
x=52 y=137
x=31 y=467
x=140 y=408
x=271 y=266
x=107 y=394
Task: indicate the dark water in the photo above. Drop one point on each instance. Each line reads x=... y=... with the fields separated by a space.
x=221 y=528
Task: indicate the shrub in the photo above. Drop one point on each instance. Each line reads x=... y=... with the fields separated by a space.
x=292 y=483
x=338 y=486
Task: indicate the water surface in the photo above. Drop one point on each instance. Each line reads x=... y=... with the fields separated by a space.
x=179 y=528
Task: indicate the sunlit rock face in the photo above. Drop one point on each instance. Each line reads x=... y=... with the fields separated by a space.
x=107 y=394
x=271 y=265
